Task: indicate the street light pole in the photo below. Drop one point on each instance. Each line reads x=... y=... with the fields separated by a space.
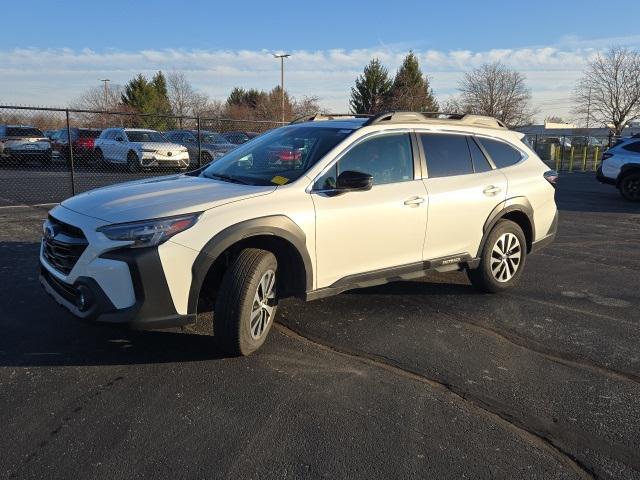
x=106 y=92
x=282 y=56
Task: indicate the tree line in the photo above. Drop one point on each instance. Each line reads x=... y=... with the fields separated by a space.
x=608 y=94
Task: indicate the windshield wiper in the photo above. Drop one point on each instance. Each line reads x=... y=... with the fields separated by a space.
x=226 y=178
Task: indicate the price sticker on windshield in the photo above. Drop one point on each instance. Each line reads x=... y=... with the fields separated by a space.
x=278 y=180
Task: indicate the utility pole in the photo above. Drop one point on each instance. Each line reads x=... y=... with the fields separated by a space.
x=282 y=56
x=106 y=92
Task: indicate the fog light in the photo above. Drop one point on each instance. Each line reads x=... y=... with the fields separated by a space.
x=84 y=299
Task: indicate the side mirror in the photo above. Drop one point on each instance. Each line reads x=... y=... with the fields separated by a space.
x=351 y=181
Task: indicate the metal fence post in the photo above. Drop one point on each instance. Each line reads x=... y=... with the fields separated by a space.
x=71 y=166
x=562 y=148
x=199 y=142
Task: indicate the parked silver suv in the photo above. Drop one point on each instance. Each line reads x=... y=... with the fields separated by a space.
x=22 y=142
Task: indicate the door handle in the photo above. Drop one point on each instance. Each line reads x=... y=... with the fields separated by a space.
x=491 y=190
x=414 y=201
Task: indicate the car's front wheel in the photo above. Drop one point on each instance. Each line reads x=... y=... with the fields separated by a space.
x=133 y=163
x=246 y=302
x=630 y=187
x=502 y=259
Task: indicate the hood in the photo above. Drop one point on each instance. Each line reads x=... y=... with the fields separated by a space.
x=219 y=146
x=159 y=197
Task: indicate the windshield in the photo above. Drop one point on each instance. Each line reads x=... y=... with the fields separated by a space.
x=23 y=132
x=278 y=157
x=145 y=136
x=212 y=137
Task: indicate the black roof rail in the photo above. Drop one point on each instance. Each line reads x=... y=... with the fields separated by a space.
x=327 y=116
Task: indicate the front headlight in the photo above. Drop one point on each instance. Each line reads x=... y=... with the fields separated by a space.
x=149 y=233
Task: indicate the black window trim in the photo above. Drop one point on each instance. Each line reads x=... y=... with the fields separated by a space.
x=416 y=160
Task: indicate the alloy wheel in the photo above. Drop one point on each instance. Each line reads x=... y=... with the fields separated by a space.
x=505 y=257
x=263 y=305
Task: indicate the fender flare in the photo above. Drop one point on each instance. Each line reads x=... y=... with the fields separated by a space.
x=277 y=225
x=514 y=204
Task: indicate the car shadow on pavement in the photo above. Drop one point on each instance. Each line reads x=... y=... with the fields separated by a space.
x=433 y=284
x=35 y=331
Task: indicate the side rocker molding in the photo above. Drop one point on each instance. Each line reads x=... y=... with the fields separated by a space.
x=276 y=225
x=514 y=204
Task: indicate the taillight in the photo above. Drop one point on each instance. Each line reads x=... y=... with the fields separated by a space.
x=551 y=176
x=84 y=142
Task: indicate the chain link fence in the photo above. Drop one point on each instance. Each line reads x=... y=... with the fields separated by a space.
x=49 y=154
x=571 y=153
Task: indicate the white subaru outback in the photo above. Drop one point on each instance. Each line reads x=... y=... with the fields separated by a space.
x=323 y=205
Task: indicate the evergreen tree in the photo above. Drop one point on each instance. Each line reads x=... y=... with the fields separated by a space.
x=410 y=89
x=371 y=91
x=146 y=97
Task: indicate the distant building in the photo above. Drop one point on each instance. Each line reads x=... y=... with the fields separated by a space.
x=570 y=130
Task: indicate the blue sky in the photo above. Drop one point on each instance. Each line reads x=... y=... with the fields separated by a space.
x=50 y=52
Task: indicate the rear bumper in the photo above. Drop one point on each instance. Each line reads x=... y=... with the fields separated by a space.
x=548 y=238
x=153 y=307
x=602 y=179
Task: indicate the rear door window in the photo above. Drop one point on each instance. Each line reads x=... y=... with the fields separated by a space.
x=446 y=155
x=503 y=155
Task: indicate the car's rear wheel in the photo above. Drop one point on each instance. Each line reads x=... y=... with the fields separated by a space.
x=133 y=163
x=246 y=302
x=630 y=187
x=502 y=259
x=99 y=158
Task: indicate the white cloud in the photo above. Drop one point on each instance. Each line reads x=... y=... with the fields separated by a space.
x=47 y=77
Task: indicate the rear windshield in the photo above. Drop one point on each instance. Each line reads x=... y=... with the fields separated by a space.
x=143 y=136
x=89 y=133
x=23 y=132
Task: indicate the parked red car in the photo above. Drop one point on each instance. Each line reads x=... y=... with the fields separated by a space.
x=82 y=140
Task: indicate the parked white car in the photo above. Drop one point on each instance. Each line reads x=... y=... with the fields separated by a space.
x=139 y=148
x=309 y=210
x=621 y=167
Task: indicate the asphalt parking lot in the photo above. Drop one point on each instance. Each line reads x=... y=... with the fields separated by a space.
x=423 y=379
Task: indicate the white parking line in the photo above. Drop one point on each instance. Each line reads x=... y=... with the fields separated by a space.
x=29 y=206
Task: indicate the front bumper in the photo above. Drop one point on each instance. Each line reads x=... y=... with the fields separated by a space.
x=155 y=160
x=153 y=307
x=108 y=283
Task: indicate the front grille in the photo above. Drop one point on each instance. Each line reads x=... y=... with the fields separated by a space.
x=66 y=291
x=62 y=245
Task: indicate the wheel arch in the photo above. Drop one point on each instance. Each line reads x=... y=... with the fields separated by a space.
x=516 y=209
x=277 y=234
x=627 y=169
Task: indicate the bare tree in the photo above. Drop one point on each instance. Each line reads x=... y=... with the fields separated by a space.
x=99 y=98
x=184 y=99
x=609 y=91
x=494 y=90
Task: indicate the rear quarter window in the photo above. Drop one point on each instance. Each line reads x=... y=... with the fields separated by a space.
x=502 y=154
x=632 y=147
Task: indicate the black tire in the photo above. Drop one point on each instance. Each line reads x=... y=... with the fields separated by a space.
x=483 y=277
x=235 y=302
x=630 y=187
x=133 y=163
x=99 y=158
